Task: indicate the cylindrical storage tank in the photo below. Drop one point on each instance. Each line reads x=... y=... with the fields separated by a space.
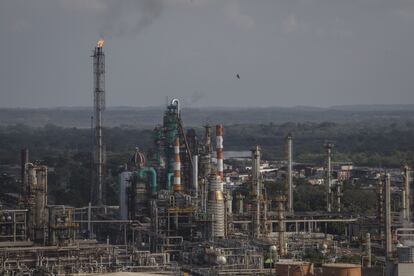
x=341 y=270
x=294 y=269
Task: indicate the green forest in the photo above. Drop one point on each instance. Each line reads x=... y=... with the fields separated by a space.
x=68 y=150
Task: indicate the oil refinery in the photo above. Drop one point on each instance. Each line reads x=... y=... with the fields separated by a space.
x=182 y=211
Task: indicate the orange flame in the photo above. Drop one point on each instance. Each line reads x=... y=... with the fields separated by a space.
x=100 y=43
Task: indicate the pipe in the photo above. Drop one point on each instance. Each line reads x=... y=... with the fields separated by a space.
x=89 y=220
x=404 y=205
x=195 y=175
x=150 y=170
x=176 y=102
x=219 y=150
x=169 y=177
x=177 y=166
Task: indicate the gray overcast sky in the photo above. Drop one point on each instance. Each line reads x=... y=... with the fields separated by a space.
x=291 y=52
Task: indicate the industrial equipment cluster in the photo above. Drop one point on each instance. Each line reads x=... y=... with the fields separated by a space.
x=184 y=211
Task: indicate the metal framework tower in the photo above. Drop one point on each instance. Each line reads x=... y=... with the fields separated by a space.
x=99 y=106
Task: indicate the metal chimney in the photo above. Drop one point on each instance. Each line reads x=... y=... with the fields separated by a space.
x=388 y=234
x=177 y=166
x=256 y=191
x=219 y=150
x=406 y=199
x=289 y=172
x=328 y=147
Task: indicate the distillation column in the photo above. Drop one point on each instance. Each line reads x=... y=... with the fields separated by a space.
x=99 y=106
x=215 y=206
x=280 y=205
x=36 y=201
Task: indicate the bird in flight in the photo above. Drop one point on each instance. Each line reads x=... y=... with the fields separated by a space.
x=238 y=76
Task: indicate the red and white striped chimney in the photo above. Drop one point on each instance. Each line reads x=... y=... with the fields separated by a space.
x=219 y=150
x=177 y=166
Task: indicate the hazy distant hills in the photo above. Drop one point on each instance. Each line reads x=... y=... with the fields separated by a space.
x=148 y=117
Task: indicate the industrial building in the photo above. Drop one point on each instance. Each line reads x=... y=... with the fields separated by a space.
x=177 y=215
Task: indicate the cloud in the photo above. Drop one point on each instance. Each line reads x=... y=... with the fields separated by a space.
x=19 y=25
x=290 y=24
x=194 y=98
x=94 y=5
x=233 y=12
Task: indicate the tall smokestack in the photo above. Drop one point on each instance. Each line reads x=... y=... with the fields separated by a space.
x=205 y=160
x=24 y=159
x=177 y=166
x=388 y=234
x=328 y=147
x=406 y=200
x=99 y=106
x=256 y=190
x=289 y=171
x=219 y=149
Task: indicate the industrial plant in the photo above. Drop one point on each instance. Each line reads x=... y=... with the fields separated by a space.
x=185 y=208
